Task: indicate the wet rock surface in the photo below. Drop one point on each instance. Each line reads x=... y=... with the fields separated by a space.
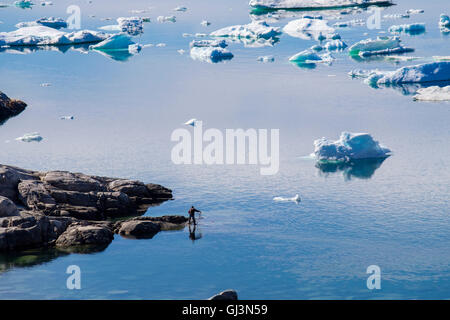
x=9 y=107
x=72 y=210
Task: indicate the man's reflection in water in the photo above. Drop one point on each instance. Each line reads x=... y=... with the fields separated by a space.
x=193 y=233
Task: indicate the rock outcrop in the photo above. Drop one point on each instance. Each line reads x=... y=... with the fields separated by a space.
x=68 y=210
x=9 y=107
x=225 y=295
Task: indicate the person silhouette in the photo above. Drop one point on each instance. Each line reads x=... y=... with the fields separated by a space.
x=192 y=212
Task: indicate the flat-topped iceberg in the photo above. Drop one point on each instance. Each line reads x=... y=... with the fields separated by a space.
x=378 y=46
x=255 y=29
x=52 y=22
x=413 y=28
x=433 y=93
x=307 y=28
x=44 y=36
x=349 y=146
x=316 y=4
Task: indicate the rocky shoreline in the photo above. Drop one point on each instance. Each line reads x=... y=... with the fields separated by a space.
x=9 y=107
x=74 y=211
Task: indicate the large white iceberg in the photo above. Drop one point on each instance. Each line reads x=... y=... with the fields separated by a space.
x=427 y=72
x=307 y=28
x=433 y=93
x=349 y=146
x=378 y=46
x=304 y=4
x=413 y=29
x=43 y=36
x=52 y=22
x=255 y=29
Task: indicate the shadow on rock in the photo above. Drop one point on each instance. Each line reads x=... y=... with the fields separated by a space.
x=361 y=169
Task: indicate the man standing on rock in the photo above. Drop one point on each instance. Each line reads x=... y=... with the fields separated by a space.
x=192 y=212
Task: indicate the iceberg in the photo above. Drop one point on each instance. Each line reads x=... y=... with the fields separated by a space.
x=119 y=41
x=24 y=4
x=379 y=46
x=67 y=117
x=210 y=54
x=255 y=29
x=192 y=122
x=415 y=11
x=55 y=23
x=413 y=29
x=396 y=16
x=265 y=59
x=180 y=9
x=309 y=58
x=427 y=72
x=444 y=23
x=30 y=137
x=131 y=25
x=433 y=93
x=313 y=4
x=350 y=146
x=45 y=36
x=162 y=19
x=295 y=199
x=205 y=23
x=335 y=45
x=306 y=28
x=208 y=43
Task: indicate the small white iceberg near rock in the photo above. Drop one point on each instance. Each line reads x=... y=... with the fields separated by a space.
x=412 y=29
x=295 y=199
x=30 y=137
x=350 y=146
x=307 y=28
x=378 y=46
x=55 y=23
x=433 y=93
x=255 y=29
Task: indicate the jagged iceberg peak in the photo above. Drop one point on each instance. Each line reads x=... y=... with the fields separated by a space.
x=378 y=46
x=255 y=29
x=43 y=36
x=51 y=22
x=302 y=4
x=309 y=28
x=349 y=146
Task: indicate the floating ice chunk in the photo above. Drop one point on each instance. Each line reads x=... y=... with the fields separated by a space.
x=306 y=28
x=119 y=41
x=396 y=16
x=427 y=72
x=160 y=45
x=191 y=122
x=208 y=43
x=180 y=9
x=43 y=36
x=444 y=23
x=24 y=4
x=306 y=56
x=379 y=46
x=413 y=29
x=56 y=23
x=349 y=146
x=433 y=93
x=67 y=117
x=134 y=48
x=131 y=25
x=265 y=59
x=162 y=19
x=351 y=23
x=402 y=58
x=181 y=51
x=306 y=4
x=46 y=3
x=415 y=11
x=296 y=199
x=255 y=29
x=46 y=84
x=210 y=54
x=205 y=23
x=335 y=45
x=30 y=137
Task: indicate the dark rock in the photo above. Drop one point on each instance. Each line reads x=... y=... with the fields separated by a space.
x=10 y=178
x=225 y=295
x=147 y=227
x=7 y=208
x=80 y=234
x=9 y=107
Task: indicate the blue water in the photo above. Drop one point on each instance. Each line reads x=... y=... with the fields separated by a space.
x=395 y=216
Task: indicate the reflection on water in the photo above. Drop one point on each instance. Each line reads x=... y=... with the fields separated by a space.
x=411 y=88
x=360 y=168
x=194 y=232
x=28 y=258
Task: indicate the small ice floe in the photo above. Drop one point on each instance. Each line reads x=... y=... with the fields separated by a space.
x=421 y=73
x=255 y=29
x=349 y=146
x=308 y=4
x=433 y=93
x=30 y=137
x=24 y=4
x=335 y=45
x=181 y=51
x=160 y=45
x=162 y=19
x=180 y=9
x=306 y=28
x=378 y=46
x=119 y=41
x=131 y=25
x=210 y=54
x=192 y=122
x=265 y=59
x=295 y=199
x=396 y=16
x=444 y=23
x=200 y=35
x=67 y=117
x=134 y=48
x=208 y=43
x=308 y=57
x=45 y=36
x=412 y=29
x=46 y=3
x=348 y=24
x=52 y=22
x=415 y=11
x=46 y=84
x=205 y=23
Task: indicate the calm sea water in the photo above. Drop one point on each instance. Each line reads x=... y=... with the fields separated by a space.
x=394 y=214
